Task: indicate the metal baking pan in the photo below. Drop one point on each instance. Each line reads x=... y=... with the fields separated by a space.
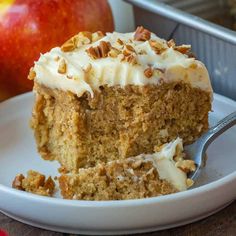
x=215 y=45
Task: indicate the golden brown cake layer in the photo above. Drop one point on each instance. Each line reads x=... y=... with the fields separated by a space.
x=115 y=181
x=117 y=122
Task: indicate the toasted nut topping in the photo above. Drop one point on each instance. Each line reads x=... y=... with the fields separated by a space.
x=62 y=67
x=142 y=34
x=114 y=52
x=148 y=72
x=189 y=183
x=129 y=54
x=32 y=74
x=184 y=49
x=17 y=182
x=97 y=35
x=193 y=66
x=171 y=43
x=101 y=51
x=119 y=41
x=157 y=47
x=186 y=165
x=130 y=59
x=70 y=44
x=129 y=48
x=83 y=38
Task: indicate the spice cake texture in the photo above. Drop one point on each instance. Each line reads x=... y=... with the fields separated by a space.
x=102 y=99
x=142 y=176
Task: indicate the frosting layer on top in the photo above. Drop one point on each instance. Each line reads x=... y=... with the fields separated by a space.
x=88 y=61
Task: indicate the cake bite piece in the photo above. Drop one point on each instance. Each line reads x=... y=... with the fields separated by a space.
x=102 y=98
x=34 y=182
x=146 y=175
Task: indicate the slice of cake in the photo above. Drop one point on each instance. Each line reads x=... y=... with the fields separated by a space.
x=101 y=98
x=146 y=175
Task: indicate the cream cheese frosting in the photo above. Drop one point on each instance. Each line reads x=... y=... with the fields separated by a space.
x=166 y=165
x=83 y=73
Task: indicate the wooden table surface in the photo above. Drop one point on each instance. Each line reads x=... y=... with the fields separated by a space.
x=222 y=223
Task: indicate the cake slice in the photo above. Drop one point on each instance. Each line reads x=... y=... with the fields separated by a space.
x=146 y=175
x=101 y=98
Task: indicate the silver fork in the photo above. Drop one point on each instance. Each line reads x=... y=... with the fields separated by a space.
x=197 y=150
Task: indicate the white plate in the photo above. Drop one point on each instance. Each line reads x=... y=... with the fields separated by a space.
x=18 y=154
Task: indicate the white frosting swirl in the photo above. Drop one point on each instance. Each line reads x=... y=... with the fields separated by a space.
x=112 y=71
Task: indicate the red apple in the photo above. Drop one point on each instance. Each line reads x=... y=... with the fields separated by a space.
x=31 y=27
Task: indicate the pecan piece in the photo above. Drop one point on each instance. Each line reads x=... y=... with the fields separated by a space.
x=119 y=41
x=130 y=59
x=101 y=51
x=186 y=165
x=128 y=50
x=82 y=38
x=184 y=49
x=171 y=43
x=62 y=67
x=148 y=72
x=114 y=52
x=17 y=182
x=156 y=46
x=32 y=74
x=70 y=44
x=97 y=35
x=142 y=34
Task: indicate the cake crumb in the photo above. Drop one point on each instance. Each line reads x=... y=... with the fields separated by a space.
x=34 y=183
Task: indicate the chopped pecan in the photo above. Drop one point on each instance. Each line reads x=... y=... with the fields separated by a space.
x=97 y=35
x=142 y=34
x=114 y=52
x=157 y=47
x=171 y=43
x=184 y=49
x=70 y=44
x=189 y=183
x=128 y=50
x=148 y=72
x=17 y=182
x=62 y=67
x=186 y=165
x=82 y=38
x=119 y=41
x=32 y=74
x=130 y=59
x=101 y=51
x=193 y=66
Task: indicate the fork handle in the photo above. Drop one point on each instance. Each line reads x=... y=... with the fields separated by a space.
x=217 y=130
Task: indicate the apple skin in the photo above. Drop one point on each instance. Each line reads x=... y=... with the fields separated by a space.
x=31 y=27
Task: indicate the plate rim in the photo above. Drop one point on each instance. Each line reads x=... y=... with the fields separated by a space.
x=120 y=203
